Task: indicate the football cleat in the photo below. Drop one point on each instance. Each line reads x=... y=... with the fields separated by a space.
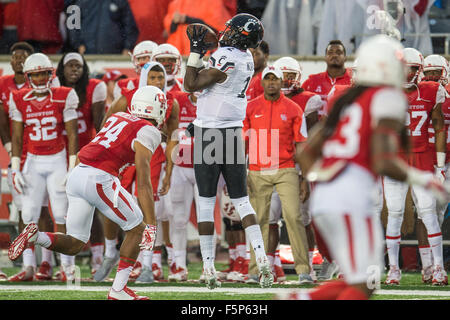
x=265 y=273
x=251 y=279
x=125 y=294
x=427 y=274
x=108 y=264
x=305 y=278
x=26 y=237
x=394 y=276
x=211 y=280
x=439 y=277
x=26 y=275
x=279 y=273
x=202 y=277
x=136 y=272
x=45 y=272
x=179 y=274
x=146 y=276
x=328 y=270
x=157 y=272
x=3 y=276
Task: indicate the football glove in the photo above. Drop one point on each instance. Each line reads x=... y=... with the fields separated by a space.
x=197 y=40
x=148 y=237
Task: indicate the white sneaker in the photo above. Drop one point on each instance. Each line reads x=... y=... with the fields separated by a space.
x=328 y=270
x=427 y=274
x=125 y=294
x=212 y=281
x=439 y=277
x=394 y=275
x=265 y=273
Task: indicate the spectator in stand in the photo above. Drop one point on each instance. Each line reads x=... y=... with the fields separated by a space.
x=260 y=57
x=38 y=24
x=8 y=26
x=111 y=78
x=183 y=12
x=107 y=27
x=149 y=16
x=254 y=7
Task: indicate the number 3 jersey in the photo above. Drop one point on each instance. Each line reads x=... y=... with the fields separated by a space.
x=351 y=138
x=223 y=105
x=44 y=118
x=112 y=149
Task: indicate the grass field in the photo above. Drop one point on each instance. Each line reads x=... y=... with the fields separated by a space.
x=411 y=288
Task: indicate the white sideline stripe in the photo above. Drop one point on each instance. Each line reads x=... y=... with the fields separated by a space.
x=437 y=293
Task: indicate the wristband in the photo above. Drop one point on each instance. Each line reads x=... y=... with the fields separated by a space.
x=15 y=163
x=440 y=157
x=8 y=147
x=72 y=161
x=195 y=60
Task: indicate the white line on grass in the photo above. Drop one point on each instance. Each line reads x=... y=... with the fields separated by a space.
x=16 y=288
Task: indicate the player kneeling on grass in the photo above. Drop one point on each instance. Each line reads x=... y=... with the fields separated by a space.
x=125 y=139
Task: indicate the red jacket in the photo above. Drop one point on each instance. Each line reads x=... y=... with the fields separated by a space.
x=272 y=128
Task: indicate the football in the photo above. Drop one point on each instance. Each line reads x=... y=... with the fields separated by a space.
x=210 y=39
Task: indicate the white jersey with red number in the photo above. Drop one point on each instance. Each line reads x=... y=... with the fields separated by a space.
x=350 y=140
x=422 y=101
x=44 y=118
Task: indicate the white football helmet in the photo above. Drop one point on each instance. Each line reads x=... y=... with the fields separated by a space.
x=149 y=102
x=227 y=208
x=289 y=65
x=142 y=49
x=380 y=62
x=413 y=58
x=437 y=62
x=166 y=50
x=38 y=62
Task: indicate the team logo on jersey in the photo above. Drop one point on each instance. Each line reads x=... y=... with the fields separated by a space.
x=219 y=63
x=283 y=117
x=319 y=89
x=183 y=111
x=28 y=108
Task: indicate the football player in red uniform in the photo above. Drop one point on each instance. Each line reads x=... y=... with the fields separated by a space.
x=436 y=69
x=142 y=53
x=73 y=71
x=125 y=138
x=425 y=103
x=169 y=56
x=260 y=57
x=358 y=142
x=152 y=73
x=39 y=115
x=336 y=73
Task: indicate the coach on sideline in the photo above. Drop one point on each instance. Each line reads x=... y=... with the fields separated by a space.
x=274 y=129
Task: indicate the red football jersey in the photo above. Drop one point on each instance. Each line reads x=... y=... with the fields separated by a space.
x=188 y=112
x=421 y=104
x=335 y=93
x=255 y=87
x=350 y=140
x=308 y=101
x=112 y=149
x=7 y=85
x=446 y=113
x=44 y=119
x=321 y=83
x=128 y=84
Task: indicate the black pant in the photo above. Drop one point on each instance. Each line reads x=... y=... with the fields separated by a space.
x=220 y=151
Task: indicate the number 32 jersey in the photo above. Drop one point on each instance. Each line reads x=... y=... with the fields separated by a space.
x=223 y=105
x=44 y=118
x=113 y=147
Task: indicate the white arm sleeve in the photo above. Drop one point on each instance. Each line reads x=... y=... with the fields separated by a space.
x=440 y=95
x=70 y=109
x=389 y=104
x=99 y=93
x=14 y=113
x=149 y=137
x=314 y=104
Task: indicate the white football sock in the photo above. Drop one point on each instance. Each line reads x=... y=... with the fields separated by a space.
x=426 y=256
x=157 y=258
x=207 y=248
x=97 y=253
x=43 y=240
x=147 y=256
x=271 y=259
x=170 y=259
x=277 y=260
x=29 y=258
x=253 y=233
x=67 y=260
x=180 y=258
x=46 y=255
x=121 y=279
x=393 y=237
x=434 y=238
x=241 y=250
x=110 y=248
